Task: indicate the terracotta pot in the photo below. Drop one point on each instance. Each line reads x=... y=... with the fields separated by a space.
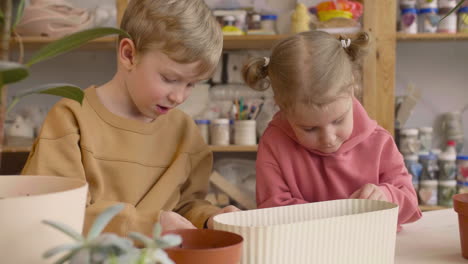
x=207 y=247
x=25 y=201
x=460 y=204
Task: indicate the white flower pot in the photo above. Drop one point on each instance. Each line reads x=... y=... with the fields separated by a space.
x=25 y=201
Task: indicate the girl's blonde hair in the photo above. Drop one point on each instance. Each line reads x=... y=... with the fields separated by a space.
x=313 y=68
x=185 y=30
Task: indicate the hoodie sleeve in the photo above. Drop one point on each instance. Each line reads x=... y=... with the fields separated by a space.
x=395 y=182
x=272 y=189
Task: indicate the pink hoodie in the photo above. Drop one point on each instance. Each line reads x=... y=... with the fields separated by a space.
x=288 y=173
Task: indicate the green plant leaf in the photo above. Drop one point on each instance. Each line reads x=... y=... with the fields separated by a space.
x=58 y=89
x=157 y=230
x=71 y=42
x=19 y=13
x=103 y=219
x=169 y=240
x=69 y=247
x=2 y=17
x=12 y=72
x=65 y=229
x=66 y=257
x=453 y=10
x=142 y=238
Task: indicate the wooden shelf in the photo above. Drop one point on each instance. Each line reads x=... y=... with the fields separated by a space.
x=431 y=36
x=13 y=149
x=38 y=42
x=234 y=148
x=251 y=41
x=432 y=207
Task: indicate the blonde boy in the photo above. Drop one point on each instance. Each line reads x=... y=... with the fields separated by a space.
x=127 y=140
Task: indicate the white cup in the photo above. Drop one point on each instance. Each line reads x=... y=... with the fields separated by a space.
x=245 y=132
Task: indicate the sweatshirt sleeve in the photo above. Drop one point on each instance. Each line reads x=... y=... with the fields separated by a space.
x=395 y=182
x=192 y=204
x=57 y=152
x=272 y=189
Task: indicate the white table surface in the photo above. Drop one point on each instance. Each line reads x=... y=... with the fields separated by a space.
x=432 y=239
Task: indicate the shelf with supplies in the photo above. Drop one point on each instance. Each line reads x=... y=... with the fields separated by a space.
x=230 y=42
x=432 y=36
x=234 y=148
x=32 y=43
x=16 y=149
x=246 y=42
x=426 y=208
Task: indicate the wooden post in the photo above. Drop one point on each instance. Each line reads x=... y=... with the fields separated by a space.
x=379 y=66
x=121 y=5
x=5 y=34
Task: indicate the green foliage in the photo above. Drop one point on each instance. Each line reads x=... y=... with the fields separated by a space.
x=98 y=248
x=12 y=72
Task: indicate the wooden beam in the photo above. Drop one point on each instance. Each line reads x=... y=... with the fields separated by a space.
x=379 y=65
x=232 y=191
x=121 y=5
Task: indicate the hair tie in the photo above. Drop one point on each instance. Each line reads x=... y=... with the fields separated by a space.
x=345 y=43
x=267 y=61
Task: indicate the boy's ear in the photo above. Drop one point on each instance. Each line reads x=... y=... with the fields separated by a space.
x=127 y=53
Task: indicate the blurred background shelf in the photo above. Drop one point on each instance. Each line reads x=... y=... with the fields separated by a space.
x=425 y=208
x=431 y=36
x=38 y=42
x=234 y=148
x=247 y=42
x=13 y=149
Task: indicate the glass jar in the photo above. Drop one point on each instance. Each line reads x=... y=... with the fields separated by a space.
x=409 y=21
x=452 y=126
x=462 y=187
x=449 y=23
x=254 y=25
x=462 y=168
x=445 y=191
x=407 y=4
x=414 y=168
x=428 y=19
x=463 y=20
x=428 y=192
x=409 y=143
x=430 y=168
x=447 y=3
x=447 y=167
x=268 y=23
x=427 y=4
x=425 y=139
x=203 y=125
x=220 y=132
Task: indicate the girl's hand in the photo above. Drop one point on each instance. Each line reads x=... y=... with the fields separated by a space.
x=227 y=209
x=370 y=192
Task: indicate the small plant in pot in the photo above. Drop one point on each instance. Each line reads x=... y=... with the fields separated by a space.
x=108 y=248
x=184 y=246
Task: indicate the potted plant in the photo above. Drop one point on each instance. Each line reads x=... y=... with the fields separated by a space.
x=200 y=245
x=108 y=248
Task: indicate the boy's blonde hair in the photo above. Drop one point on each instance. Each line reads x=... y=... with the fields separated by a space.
x=185 y=30
x=312 y=68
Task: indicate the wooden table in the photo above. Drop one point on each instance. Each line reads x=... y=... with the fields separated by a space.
x=433 y=239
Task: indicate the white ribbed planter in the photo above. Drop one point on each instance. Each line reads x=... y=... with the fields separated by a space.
x=341 y=231
x=25 y=201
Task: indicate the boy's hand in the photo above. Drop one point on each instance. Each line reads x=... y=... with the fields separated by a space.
x=227 y=209
x=370 y=192
x=172 y=221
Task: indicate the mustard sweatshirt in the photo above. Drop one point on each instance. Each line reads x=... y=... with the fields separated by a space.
x=162 y=165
